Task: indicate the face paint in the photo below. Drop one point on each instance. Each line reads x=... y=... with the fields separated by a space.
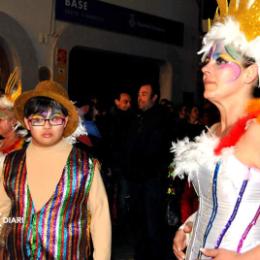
x=233 y=53
x=224 y=61
x=50 y=113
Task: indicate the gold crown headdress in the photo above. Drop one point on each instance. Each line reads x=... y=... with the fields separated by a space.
x=237 y=24
x=245 y=12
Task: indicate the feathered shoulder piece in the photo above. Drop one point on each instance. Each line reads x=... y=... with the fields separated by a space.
x=189 y=156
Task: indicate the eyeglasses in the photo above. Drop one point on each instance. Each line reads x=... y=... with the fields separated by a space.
x=54 y=121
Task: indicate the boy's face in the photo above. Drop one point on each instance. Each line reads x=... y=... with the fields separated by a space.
x=46 y=128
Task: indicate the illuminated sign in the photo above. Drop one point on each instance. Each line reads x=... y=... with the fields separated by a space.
x=119 y=19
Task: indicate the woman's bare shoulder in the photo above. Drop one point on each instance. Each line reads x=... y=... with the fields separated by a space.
x=247 y=148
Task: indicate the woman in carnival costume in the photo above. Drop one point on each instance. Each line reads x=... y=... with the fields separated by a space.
x=224 y=163
x=54 y=187
x=11 y=133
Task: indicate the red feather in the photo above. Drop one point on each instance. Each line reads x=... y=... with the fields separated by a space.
x=253 y=110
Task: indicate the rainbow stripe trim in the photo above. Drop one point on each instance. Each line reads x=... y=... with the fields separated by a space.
x=248 y=228
x=215 y=203
x=234 y=213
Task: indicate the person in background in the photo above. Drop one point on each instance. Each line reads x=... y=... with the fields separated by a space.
x=92 y=140
x=224 y=164
x=123 y=101
x=148 y=143
x=193 y=126
x=210 y=114
x=119 y=120
x=180 y=120
x=58 y=192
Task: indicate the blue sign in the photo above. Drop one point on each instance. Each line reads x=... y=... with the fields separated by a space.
x=119 y=19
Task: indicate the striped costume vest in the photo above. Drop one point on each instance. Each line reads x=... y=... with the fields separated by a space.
x=60 y=229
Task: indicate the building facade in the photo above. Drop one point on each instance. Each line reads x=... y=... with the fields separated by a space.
x=32 y=37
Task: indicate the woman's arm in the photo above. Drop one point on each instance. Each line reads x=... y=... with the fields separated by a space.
x=182 y=236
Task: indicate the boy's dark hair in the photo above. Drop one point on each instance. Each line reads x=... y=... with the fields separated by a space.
x=38 y=105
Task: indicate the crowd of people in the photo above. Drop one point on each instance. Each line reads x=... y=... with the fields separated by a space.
x=133 y=145
x=68 y=170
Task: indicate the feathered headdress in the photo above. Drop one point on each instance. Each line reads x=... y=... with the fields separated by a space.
x=13 y=90
x=236 y=24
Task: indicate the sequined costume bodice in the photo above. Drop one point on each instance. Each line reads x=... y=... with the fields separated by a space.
x=59 y=229
x=229 y=197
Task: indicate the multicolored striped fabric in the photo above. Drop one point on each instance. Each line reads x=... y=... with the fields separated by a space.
x=59 y=229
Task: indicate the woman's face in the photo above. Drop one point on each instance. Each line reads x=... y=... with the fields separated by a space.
x=221 y=72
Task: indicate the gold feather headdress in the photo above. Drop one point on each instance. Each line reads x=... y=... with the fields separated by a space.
x=13 y=90
x=237 y=24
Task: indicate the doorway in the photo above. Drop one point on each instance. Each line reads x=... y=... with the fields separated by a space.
x=100 y=74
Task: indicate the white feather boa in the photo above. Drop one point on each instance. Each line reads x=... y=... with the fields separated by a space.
x=190 y=155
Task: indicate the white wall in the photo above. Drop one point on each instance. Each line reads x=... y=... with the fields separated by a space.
x=46 y=34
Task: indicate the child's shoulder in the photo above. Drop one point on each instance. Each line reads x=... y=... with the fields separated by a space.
x=17 y=153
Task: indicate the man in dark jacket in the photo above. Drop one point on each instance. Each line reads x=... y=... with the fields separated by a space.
x=118 y=122
x=148 y=146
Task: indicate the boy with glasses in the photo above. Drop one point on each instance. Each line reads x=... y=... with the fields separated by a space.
x=54 y=186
